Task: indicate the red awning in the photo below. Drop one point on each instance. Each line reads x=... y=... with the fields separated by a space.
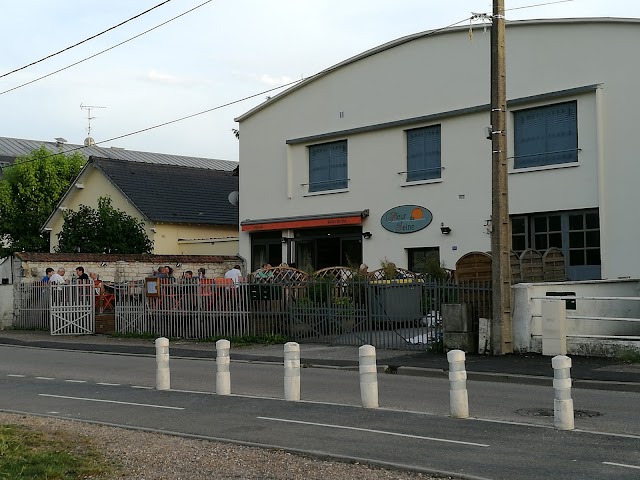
x=331 y=220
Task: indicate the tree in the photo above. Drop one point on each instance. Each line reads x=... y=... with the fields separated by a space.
x=29 y=191
x=105 y=230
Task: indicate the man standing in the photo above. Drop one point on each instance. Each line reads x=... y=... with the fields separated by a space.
x=235 y=273
x=58 y=278
x=82 y=277
x=47 y=275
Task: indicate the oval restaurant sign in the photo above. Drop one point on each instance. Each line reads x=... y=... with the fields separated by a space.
x=406 y=219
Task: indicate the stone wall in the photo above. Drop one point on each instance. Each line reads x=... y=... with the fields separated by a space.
x=31 y=267
x=6 y=306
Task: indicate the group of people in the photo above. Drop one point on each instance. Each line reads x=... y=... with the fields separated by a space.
x=58 y=278
x=166 y=271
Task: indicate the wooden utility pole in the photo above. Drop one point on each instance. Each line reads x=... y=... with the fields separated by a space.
x=501 y=329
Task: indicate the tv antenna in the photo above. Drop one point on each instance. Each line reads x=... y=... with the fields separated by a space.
x=88 y=108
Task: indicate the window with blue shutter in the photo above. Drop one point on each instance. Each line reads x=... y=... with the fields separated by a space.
x=328 y=166
x=546 y=135
x=423 y=153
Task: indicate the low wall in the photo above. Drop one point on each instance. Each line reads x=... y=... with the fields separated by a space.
x=527 y=323
x=6 y=306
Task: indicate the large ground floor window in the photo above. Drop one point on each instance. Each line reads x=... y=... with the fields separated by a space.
x=423 y=259
x=317 y=248
x=266 y=248
x=576 y=233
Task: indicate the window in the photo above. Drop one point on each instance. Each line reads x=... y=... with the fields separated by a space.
x=424 y=260
x=575 y=233
x=328 y=166
x=423 y=153
x=546 y=135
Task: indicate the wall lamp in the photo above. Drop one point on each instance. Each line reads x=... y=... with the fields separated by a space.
x=445 y=230
x=283 y=239
x=367 y=235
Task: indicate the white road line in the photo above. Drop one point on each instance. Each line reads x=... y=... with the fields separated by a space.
x=635 y=467
x=141 y=386
x=15 y=375
x=608 y=434
x=45 y=378
x=76 y=381
x=110 y=401
x=433 y=439
x=108 y=384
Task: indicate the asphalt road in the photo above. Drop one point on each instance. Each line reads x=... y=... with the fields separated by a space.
x=118 y=389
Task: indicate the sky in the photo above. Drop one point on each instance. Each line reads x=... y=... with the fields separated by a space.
x=219 y=53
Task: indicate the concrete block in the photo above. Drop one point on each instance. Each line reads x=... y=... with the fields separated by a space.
x=456 y=317
x=459 y=341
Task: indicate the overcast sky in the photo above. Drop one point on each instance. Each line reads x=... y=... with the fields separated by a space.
x=219 y=53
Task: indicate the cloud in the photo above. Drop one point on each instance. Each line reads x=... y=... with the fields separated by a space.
x=165 y=78
x=274 y=81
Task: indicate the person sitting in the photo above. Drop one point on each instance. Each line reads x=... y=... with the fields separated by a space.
x=235 y=274
x=265 y=273
x=160 y=273
x=201 y=273
x=188 y=277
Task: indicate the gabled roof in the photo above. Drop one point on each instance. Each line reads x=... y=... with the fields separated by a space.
x=173 y=194
x=10 y=148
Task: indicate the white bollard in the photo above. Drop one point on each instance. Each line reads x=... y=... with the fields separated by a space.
x=163 y=374
x=368 y=376
x=563 y=418
x=458 y=398
x=292 y=371
x=223 y=376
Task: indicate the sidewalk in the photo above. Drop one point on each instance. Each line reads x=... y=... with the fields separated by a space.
x=587 y=372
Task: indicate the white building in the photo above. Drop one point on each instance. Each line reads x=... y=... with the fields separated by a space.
x=327 y=163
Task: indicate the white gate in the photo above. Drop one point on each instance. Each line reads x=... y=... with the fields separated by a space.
x=72 y=309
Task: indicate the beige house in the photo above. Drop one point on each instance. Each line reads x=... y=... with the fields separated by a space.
x=186 y=210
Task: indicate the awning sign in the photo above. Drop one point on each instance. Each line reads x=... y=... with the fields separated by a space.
x=406 y=219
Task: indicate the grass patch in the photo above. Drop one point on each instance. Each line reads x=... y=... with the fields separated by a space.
x=145 y=336
x=249 y=340
x=628 y=356
x=31 y=454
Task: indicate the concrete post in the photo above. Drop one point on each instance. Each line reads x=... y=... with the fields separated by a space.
x=163 y=374
x=223 y=376
x=458 y=398
x=368 y=376
x=563 y=418
x=292 y=371
x=554 y=327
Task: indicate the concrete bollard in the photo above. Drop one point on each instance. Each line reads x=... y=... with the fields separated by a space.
x=563 y=418
x=368 y=376
x=458 y=398
x=163 y=374
x=292 y=371
x=223 y=376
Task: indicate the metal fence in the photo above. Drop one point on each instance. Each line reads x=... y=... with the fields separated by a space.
x=396 y=314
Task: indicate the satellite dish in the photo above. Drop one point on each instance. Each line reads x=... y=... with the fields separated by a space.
x=234 y=198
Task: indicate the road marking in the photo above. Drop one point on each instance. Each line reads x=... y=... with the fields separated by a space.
x=141 y=386
x=608 y=434
x=108 y=384
x=433 y=439
x=110 y=401
x=622 y=465
x=76 y=381
x=45 y=378
x=14 y=375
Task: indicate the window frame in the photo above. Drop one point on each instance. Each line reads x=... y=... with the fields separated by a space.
x=428 y=173
x=336 y=181
x=552 y=156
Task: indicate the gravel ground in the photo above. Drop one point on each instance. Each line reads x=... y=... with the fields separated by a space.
x=152 y=456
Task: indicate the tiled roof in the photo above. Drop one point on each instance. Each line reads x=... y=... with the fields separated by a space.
x=15 y=147
x=174 y=194
x=81 y=258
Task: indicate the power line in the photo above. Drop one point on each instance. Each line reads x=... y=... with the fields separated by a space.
x=83 y=41
x=537 y=5
x=233 y=102
x=105 y=50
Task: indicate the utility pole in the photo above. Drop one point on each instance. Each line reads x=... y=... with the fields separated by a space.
x=501 y=328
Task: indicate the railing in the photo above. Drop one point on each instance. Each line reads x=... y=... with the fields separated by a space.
x=587 y=317
x=397 y=314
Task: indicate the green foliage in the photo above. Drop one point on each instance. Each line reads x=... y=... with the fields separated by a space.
x=105 y=230
x=51 y=455
x=389 y=269
x=29 y=192
x=628 y=356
